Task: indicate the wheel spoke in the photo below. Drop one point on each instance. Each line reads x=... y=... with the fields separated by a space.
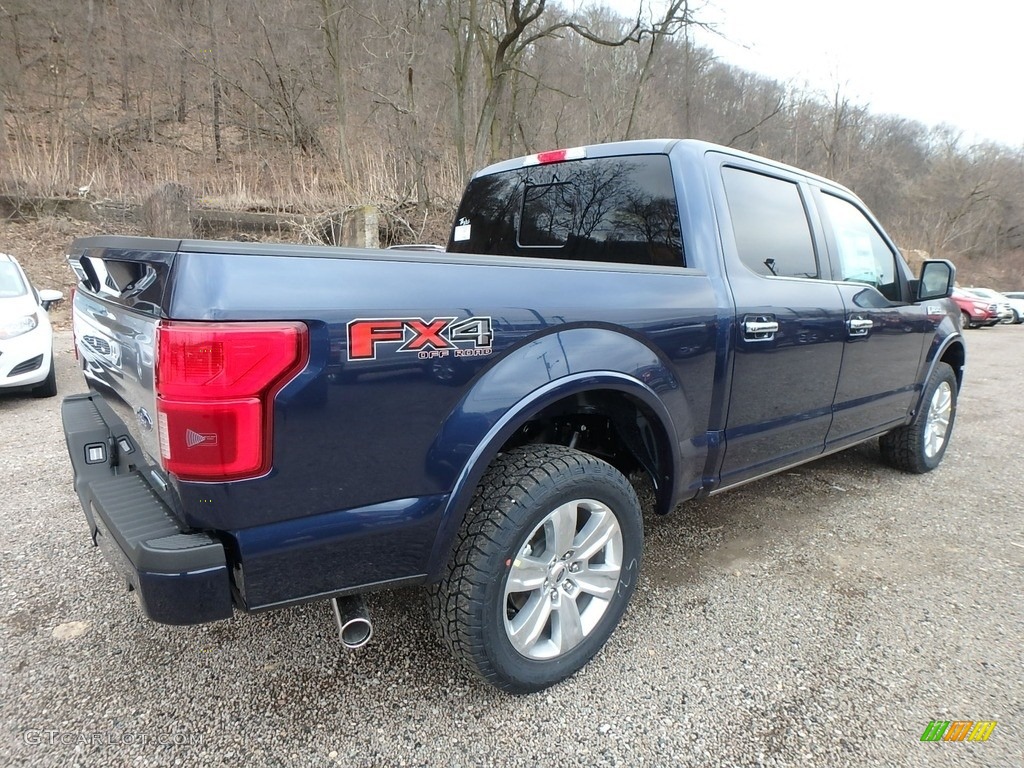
x=527 y=625
x=596 y=534
x=526 y=575
x=567 y=627
x=564 y=579
x=598 y=580
x=560 y=528
x=937 y=425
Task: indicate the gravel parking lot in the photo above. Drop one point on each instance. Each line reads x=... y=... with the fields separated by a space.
x=821 y=617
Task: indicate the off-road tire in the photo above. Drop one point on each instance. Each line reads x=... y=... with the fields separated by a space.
x=522 y=489
x=916 y=447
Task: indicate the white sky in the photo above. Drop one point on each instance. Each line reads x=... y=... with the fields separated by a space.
x=936 y=61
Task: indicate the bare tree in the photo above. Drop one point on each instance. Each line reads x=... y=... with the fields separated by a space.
x=334 y=24
x=215 y=81
x=507 y=31
x=461 y=23
x=677 y=17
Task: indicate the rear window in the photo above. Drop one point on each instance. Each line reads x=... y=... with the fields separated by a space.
x=11 y=284
x=617 y=209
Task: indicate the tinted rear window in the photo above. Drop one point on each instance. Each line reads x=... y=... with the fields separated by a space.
x=617 y=209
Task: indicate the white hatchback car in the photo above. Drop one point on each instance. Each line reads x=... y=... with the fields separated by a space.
x=26 y=338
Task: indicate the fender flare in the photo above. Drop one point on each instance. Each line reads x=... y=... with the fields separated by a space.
x=525 y=409
x=955 y=339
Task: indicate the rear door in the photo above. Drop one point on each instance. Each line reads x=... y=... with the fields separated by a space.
x=788 y=333
x=885 y=333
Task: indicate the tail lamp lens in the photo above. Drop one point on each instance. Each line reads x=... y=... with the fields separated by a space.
x=215 y=386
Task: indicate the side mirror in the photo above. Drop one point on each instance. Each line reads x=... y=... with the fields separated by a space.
x=937 y=279
x=48 y=298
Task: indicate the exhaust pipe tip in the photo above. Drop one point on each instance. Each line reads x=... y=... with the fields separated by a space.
x=356 y=633
x=353 y=620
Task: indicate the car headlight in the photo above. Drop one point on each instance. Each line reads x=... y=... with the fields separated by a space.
x=980 y=307
x=18 y=325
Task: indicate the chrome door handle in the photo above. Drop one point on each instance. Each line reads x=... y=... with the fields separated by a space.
x=760 y=329
x=859 y=326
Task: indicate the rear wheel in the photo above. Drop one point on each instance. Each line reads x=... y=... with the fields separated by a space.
x=919 y=446
x=543 y=568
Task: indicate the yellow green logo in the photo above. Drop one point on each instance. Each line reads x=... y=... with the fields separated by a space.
x=958 y=730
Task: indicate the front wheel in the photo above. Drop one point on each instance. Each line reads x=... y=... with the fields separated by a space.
x=543 y=567
x=919 y=446
x=49 y=386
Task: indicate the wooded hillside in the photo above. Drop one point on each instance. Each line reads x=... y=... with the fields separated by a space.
x=309 y=105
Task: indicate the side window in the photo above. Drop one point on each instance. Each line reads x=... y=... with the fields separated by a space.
x=863 y=255
x=773 y=236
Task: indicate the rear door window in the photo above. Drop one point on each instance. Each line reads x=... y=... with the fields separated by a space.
x=612 y=209
x=769 y=221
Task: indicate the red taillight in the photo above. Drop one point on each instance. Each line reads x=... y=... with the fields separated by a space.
x=215 y=386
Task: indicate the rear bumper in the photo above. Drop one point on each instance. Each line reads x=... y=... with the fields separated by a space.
x=180 y=576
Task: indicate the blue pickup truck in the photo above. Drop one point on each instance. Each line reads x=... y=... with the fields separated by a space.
x=268 y=425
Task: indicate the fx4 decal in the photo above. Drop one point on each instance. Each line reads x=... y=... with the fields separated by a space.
x=438 y=337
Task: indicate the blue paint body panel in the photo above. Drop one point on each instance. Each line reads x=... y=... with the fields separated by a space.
x=375 y=458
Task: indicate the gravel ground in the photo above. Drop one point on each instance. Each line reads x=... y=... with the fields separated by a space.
x=821 y=617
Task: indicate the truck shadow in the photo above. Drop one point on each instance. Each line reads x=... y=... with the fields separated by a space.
x=738 y=529
x=736 y=533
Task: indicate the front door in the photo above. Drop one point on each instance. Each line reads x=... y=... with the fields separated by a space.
x=885 y=333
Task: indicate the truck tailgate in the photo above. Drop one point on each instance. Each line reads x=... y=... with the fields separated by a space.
x=115 y=312
x=179 y=575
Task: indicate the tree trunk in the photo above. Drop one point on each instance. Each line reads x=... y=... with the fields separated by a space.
x=182 y=108
x=463 y=33
x=332 y=27
x=90 y=48
x=125 y=54
x=215 y=60
x=487 y=131
x=422 y=191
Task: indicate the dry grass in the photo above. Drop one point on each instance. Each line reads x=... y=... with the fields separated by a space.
x=58 y=161
x=41 y=156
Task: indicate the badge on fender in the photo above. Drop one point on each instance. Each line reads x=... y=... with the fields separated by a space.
x=439 y=336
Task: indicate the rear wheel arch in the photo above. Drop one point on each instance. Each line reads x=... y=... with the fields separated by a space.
x=582 y=400
x=612 y=425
